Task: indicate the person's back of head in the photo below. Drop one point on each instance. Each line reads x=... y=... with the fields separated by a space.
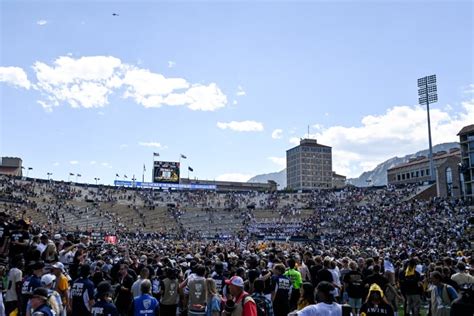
x=291 y=263
x=145 y=286
x=258 y=286
x=200 y=270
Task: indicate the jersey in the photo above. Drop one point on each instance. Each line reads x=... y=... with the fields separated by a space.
x=104 y=308
x=82 y=292
x=145 y=305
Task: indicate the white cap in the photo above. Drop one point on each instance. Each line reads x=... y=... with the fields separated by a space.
x=47 y=279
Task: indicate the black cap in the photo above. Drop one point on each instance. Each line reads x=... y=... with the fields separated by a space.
x=37 y=265
x=41 y=292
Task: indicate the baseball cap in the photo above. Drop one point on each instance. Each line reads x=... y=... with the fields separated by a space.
x=235 y=280
x=47 y=279
x=41 y=292
x=58 y=265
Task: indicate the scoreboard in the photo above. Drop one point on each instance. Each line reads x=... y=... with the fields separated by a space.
x=166 y=172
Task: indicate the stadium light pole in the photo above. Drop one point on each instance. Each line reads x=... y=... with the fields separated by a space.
x=96 y=179
x=28 y=171
x=428 y=93
x=49 y=174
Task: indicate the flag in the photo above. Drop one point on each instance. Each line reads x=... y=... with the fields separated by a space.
x=183 y=156
x=117 y=175
x=125 y=176
x=190 y=169
x=30 y=168
x=79 y=175
x=144 y=169
x=156 y=154
x=71 y=174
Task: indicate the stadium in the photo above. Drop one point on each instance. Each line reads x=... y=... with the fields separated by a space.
x=236 y=158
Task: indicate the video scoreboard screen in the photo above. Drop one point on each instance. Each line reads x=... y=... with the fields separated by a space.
x=166 y=172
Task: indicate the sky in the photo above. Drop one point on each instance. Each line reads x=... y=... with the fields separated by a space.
x=230 y=85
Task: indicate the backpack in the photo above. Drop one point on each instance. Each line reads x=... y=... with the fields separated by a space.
x=261 y=306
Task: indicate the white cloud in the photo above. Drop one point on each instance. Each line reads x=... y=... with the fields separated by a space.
x=15 y=76
x=93 y=162
x=276 y=134
x=243 y=126
x=295 y=140
x=469 y=89
x=280 y=161
x=399 y=131
x=41 y=22
x=234 y=102
x=85 y=82
x=89 y=81
x=171 y=64
x=74 y=162
x=240 y=92
x=150 y=144
x=238 y=177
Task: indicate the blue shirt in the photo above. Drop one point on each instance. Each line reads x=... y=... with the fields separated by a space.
x=82 y=292
x=145 y=305
x=104 y=308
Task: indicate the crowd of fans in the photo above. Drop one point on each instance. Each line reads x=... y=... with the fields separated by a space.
x=372 y=251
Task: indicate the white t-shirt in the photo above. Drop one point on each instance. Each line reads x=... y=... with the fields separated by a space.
x=14 y=276
x=321 y=309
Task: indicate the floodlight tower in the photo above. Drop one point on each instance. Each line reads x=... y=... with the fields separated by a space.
x=428 y=93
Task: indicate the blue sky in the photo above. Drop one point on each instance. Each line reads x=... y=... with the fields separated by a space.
x=232 y=85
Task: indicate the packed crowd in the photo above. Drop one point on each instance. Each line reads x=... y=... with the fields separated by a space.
x=373 y=250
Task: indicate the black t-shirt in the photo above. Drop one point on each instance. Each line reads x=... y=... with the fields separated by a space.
x=382 y=309
x=281 y=285
x=325 y=275
x=380 y=280
x=20 y=236
x=355 y=287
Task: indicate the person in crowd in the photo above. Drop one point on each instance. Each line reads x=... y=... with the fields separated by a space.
x=376 y=304
x=411 y=287
x=145 y=304
x=14 y=285
x=242 y=302
x=262 y=303
x=104 y=305
x=82 y=293
x=54 y=299
x=306 y=295
x=39 y=303
x=124 y=296
x=295 y=277
x=441 y=295
x=326 y=304
x=280 y=285
x=214 y=300
x=169 y=292
x=354 y=286
x=61 y=285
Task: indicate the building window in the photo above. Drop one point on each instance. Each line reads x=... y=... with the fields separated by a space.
x=408 y=175
x=417 y=174
x=403 y=176
x=422 y=173
x=427 y=172
x=398 y=177
x=449 y=181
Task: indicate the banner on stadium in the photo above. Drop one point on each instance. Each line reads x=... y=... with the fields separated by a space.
x=152 y=185
x=165 y=172
x=110 y=239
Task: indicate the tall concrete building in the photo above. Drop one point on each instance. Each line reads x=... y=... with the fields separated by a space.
x=309 y=166
x=466 y=140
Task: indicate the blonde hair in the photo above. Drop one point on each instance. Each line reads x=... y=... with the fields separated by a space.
x=211 y=286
